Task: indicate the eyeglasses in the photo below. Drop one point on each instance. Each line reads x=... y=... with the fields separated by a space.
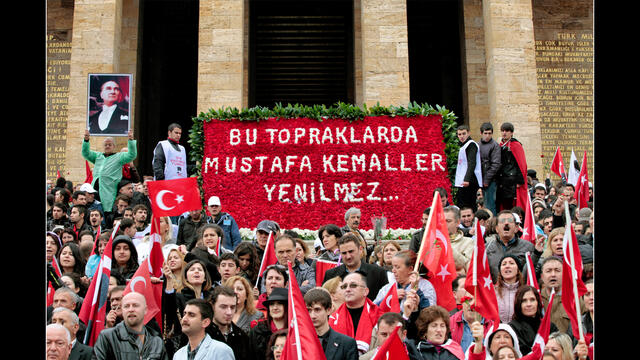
x=504 y=220
x=277 y=347
x=351 y=285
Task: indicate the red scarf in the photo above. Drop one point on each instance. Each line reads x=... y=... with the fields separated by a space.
x=341 y=322
x=518 y=153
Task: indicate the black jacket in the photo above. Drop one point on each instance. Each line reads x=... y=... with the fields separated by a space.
x=376 y=277
x=118 y=343
x=259 y=339
x=237 y=340
x=188 y=231
x=526 y=330
x=81 y=351
x=340 y=346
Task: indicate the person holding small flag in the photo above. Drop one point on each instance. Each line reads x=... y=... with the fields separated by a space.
x=392 y=325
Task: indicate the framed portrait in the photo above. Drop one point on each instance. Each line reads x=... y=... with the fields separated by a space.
x=109 y=104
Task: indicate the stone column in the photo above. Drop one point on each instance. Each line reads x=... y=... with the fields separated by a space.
x=221 y=66
x=511 y=72
x=95 y=48
x=475 y=68
x=385 y=53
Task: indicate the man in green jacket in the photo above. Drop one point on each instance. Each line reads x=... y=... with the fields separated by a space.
x=107 y=171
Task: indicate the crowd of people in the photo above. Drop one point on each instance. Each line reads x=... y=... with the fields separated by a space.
x=216 y=304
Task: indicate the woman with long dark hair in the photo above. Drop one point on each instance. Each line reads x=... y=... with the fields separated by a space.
x=527 y=317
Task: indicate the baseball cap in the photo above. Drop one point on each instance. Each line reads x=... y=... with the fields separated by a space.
x=214 y=200
x=86 y=187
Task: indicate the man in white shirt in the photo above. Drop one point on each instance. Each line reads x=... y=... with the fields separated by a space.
x=111 y=119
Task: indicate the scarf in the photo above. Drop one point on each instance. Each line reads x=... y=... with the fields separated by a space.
x=341 y=322
x=518 y=153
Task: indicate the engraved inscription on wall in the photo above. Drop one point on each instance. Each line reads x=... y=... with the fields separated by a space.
x=565 y=91
x=57 y=93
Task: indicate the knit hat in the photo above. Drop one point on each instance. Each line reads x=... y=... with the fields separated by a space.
x=514 y=257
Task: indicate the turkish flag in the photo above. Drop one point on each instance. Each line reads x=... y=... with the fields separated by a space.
x=531 y=272
x=391 y=301
x=529 y=230
x=522 y=190
x=392 y=348
x=268 y=258
x=543 y=330
x=301 y=330
x=437 y=255
x=479 y=273
x=155 y=254
x=572 y=274
x=89 y=174
x=174 y=197
x=321 y=268
x=141 y=283
x=557 y=165
x=582 y=186
x=94 y=308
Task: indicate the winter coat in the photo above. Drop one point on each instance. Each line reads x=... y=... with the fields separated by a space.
x=496 y=250
x=259 y=339
x=490 y=158
x=107 y=170
x=526 y=329
x=209 y=349
x=237 y=340
x=431 y=352
x=506 y=301
x=188 y=232
x=228 y=224
x=118 y=343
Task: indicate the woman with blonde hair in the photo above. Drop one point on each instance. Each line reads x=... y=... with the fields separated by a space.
x=337 y=297
x=246 y=312
x=559 y=344
x=173 y=265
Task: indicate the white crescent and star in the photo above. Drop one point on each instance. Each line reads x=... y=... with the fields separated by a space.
x=136 y=279
x=159 y=199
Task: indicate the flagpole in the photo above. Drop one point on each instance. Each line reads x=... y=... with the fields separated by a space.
x=475 y=267
x=573 y=271
x=424 y=236
x=263 y=255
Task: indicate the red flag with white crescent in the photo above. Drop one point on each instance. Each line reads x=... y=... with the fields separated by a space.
x=141 y=283
x=392 y=348
x=391 y=301
x=301 y=333
x=174 y=197
x=94 y=309
x=479 y=282
x=572 y=274
x=543 y=330
x=437 y=255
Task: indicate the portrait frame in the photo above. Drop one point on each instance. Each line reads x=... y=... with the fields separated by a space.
x=119 y=106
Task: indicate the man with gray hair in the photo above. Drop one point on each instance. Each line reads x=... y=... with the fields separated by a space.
x=58 y=342
x=352 y=220
x=71 y=322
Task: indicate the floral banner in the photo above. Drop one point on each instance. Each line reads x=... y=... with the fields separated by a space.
x=306 y=173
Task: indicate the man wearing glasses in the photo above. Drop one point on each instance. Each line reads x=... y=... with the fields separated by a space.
x=508 y=243
x=358 y=315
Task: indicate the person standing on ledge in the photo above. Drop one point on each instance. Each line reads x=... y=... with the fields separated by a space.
x=107 y=170
x=468 y=172
x=169 y=157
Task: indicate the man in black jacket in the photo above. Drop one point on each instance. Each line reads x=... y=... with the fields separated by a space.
x=188 y=229
x=69 y=319
x=224 y=299
x=490 y=157
x=130 y=339
x=351 y=251
x=336 y=346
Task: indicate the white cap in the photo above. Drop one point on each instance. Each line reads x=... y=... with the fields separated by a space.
x=86 y=187
x=214 y=200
